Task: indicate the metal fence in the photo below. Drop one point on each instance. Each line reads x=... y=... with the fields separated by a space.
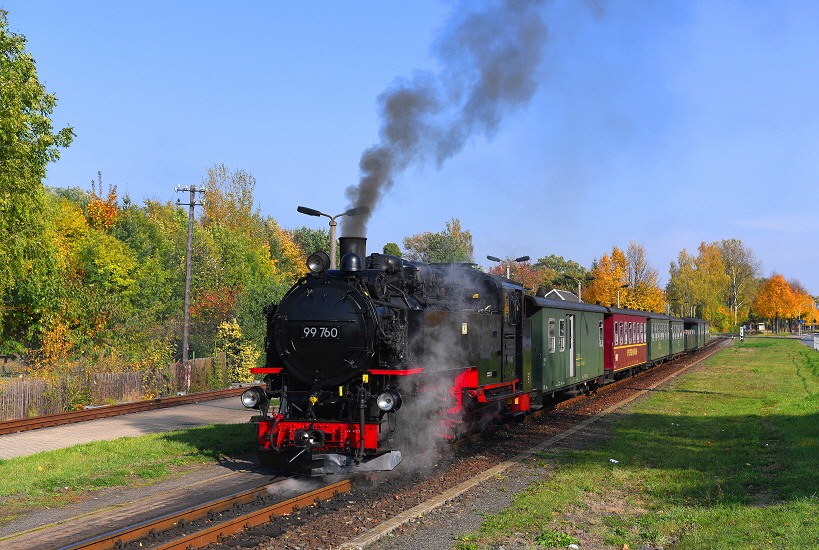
x=24 y=397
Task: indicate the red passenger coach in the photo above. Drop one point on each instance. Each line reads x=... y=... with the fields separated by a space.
x=625 y=337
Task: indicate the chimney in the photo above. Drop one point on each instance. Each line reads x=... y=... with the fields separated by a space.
x=355 y=245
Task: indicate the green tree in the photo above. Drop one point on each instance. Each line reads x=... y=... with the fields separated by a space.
x=556 y=272
x=312 y=240
x=392 y=249
x=451 y=245
x=27 y=144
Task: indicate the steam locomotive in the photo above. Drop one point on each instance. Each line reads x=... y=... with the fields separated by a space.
x=385 y=354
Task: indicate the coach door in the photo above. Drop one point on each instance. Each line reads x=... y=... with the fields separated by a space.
x=571 y=345
x=512 y=343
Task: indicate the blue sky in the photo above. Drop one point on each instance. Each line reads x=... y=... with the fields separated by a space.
x=668 y=123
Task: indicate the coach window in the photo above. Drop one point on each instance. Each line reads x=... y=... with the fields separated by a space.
x=562 y=334
x=600 y=334
x=551 y=335
x=630 y=333
x=622 y=333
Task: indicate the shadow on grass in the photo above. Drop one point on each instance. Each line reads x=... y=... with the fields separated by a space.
x=216 y=441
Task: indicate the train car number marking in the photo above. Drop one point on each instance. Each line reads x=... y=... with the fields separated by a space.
x=321 y=333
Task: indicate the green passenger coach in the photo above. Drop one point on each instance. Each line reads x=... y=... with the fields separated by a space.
x=567 y=345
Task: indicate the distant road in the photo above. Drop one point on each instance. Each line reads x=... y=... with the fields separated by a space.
x=807 y=339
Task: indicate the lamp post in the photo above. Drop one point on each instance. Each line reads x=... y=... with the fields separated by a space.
x=509 y=263
x=618 y=294
x=587 y=278
x=351 y=212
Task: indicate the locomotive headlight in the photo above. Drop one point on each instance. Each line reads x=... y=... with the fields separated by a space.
x=254 y=398
x=318 y=262
x=389 y=401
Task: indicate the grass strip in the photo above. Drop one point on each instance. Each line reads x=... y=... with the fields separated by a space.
x=726 y=457
x=57 y=478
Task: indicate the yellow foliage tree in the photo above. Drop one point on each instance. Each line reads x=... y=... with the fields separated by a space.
x=776 y=300
x=643 y=291
x=699 y=284
x=609 y=278
x=240 y=354
x=229 y=200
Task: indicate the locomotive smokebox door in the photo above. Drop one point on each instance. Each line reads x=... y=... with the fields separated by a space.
x=325 y=330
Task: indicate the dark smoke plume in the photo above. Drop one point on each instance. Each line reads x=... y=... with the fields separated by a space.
x=489 y=57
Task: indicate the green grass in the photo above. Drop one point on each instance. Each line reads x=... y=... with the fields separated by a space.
x=726 y=458
x=56 y=478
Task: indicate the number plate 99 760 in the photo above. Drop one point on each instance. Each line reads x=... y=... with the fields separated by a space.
x=318 y=332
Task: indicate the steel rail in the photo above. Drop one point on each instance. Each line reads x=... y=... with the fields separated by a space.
x=50 y=420
x=213 y=533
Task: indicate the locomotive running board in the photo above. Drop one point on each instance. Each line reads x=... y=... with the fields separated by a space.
x=344 y=464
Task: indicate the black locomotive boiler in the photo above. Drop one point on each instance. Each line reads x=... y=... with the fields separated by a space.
x=382 y=352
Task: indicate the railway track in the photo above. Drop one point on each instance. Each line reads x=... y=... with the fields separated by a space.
x=210 y=522
x=248 y=515
x=50 y=420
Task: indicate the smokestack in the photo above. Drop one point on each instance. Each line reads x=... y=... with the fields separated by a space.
x=354 y=245
x=489 y=57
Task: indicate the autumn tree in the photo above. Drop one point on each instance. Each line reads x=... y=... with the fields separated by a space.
x=240 y=353
x=643 y=290
x=609 y=279
x=628 y=276
x=102 y=212
x=699 y=282
x=523 y=273
x=776 y=300
x=451 y=245
x=229 y=200
x=805 y=306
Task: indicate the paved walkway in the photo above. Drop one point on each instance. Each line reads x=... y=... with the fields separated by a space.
x=220 y=411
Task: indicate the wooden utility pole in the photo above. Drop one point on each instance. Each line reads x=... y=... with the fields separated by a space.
x=192 y=189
